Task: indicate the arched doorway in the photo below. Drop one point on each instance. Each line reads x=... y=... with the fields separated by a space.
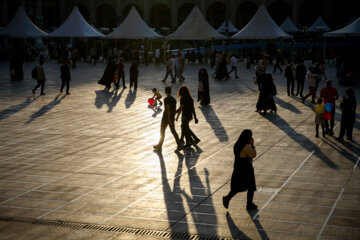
x=127 y=9
x=279 y=10
x=160 y=16
x=105 y=16
x=184 y=12
x=309 y=12
x=245 y=13
x=216 y=14
x=84 y=12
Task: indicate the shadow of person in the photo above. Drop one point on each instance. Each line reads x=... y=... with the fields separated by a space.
x=199 y=194
x=102 y=97
x=351 y=153
x=236 y=233
x=286 y=105
x=46 y=108
x=214 y=122
x=16 y=108
x=300 y=139
x=157 y=110
x=130 y=98
x=257 y=224
x=114 y=100
x=174 y=204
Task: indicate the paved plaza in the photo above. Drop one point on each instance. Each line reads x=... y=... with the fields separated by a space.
x=81 y=166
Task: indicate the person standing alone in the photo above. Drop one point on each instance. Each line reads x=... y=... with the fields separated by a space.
x=65 y=77
x=40 y=77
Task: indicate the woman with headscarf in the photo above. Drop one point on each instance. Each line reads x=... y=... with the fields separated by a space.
x=203 y=87
x=348 y=107
x=109 y=75
x=187 y=112
x=267 y=92
x=243 y=177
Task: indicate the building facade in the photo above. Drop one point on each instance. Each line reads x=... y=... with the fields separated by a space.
x=171 y=13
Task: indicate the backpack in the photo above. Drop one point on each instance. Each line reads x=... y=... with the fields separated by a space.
x=34 y=73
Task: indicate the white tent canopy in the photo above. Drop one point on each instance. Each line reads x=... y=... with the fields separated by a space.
x=75 y=26
x=195 y=27
x=319 y=26
x=289 y=26
x=22 y=26
x=261 y=26
x=352 y=29
x=133 y=27
x=231 y=27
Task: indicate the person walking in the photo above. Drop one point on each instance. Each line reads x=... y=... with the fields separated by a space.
x=243 y=177
x=187 y=112
x=260 y=70
x=109 y=75
x=40 y=77
x=121 y=72
x=348 y=107
x=277 y=64
x=134 y=74
x=169 y=69
x=300 y=73
x=266 y=96
x=234 y=64
x=65 y=77
x=290 y=78
x=203 y=87
x=310 y=76
x=330 y=95
x=168 y=119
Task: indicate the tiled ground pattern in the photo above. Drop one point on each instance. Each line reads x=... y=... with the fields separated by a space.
x=87 y=157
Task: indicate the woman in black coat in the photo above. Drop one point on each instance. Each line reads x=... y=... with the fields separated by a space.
x=109 y=74
x=267 y=93
x=348 y=107
x=203 y=88
x=243 y=177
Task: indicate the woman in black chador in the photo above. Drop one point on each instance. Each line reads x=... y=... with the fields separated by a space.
x=221 y=71
x=243 y=177
x=203 y=88
x=267 y=93
x=348 y=107
x=109 y=75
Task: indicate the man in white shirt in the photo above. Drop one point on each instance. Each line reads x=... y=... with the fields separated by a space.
x=234 y=65
x=311 y=77
x=169 y=68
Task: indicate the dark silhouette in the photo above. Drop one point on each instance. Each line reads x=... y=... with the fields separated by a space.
x=221 y=71
x=187 y=112
x=203 y=88
x=348 y=107
x=109 y=75
x=243 y=177
x=102 y=97
x=300 y=73
x=40 y=77
x=65 y=77
x=134 y=74
x=277 y=64
x=254 y=217
x=267 y=91
x=290 y=78
x=330 y=95
x=115 y=99
x=168 y=119
x=121 y=72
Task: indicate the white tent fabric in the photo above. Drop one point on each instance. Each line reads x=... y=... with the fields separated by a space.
x=350 y=30
x=289 y=26
x=319 y=26
x=75 y=26
x=231 y=27
x=133 y=27
x=195 y=27
x=261 y=26
x=21 y=26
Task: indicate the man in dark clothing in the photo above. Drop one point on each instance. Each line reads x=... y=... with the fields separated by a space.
x=300 y=73
x=65 y=77
x=121 y=72
x=40 y=77
x=168 y=119
x=290 y=79
x=134 y=73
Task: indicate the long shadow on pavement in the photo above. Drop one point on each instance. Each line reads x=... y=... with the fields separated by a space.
x=16 y=108
x=258 y=225
x=214 y=122
x=46 y=108
x=236 y=233
x=305 y=143
x=115 y=99
x=102 y=97
x=174 y=203
x=287 y=105
x=130 y=98
x=354 y=147
x=205 y=220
